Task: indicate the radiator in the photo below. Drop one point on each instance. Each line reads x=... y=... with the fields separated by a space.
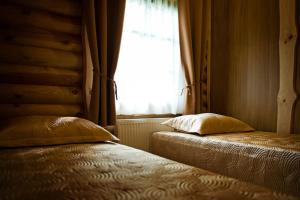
x=136 y=132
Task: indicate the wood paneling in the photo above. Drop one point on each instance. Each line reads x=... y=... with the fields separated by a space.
x=206 y=59
x=45 y=40
x=63 y=7
x=245 y=62
x=40 y=58
x=20 y=16
x=297 y=82
x=37 y=75
x=39 y=94
x=12 y=110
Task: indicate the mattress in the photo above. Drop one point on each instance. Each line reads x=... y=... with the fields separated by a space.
x=112 y=171
x=262 y=158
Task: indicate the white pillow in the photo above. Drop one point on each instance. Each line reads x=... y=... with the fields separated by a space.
x=208 y=123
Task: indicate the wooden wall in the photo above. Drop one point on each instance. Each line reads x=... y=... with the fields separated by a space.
x=40 y=57
x=245 y=61
x=297 y=84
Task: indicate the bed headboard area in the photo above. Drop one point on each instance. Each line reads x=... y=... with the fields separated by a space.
x=41 y=69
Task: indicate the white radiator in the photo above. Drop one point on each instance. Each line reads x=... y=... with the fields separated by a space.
x=136 y=132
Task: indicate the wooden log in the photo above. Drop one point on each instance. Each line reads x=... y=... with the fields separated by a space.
x=63 y=7
x=287 y=48
x=207 y=54
x=204 y=89
x=39 y=56
x=19 y=16
x=36 y=75
x=204 y=67
x=37 y=30
x=45 y=40
x=39 y=94
x=13 y=110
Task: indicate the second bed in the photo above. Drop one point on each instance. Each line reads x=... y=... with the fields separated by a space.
x=262 y=158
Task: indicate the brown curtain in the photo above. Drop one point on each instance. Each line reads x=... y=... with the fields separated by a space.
x=193 y=38
x=102 y=31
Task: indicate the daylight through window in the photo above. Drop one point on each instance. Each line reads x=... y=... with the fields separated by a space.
x=149 y=75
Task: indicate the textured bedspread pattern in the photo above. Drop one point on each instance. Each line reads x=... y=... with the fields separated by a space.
x=262 y=158
x=112 y=171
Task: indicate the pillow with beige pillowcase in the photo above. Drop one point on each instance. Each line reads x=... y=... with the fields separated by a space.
x=50 y=130
x=208 y=123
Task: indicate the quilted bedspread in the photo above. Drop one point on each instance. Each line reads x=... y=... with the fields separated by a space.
x=112 y=171
x=263 y=158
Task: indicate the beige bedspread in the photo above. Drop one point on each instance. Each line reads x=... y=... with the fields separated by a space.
x=112 y=171
x=262 y=158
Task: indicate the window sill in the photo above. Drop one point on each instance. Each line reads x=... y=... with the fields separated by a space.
x=147 y=116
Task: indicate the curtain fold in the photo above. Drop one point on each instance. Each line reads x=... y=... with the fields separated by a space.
x=191 y=28
x=102 y=31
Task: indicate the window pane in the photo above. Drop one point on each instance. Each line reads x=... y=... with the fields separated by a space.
x=149 y=74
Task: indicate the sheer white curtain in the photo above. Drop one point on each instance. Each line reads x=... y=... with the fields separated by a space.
x=149 y=75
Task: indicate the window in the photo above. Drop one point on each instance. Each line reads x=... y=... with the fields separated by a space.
x=149 y=74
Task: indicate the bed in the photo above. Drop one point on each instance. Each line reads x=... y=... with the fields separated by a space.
x=109 y=170
x=262 y=158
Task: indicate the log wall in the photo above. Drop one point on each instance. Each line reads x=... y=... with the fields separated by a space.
x=296 y=117
x=40 y=58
